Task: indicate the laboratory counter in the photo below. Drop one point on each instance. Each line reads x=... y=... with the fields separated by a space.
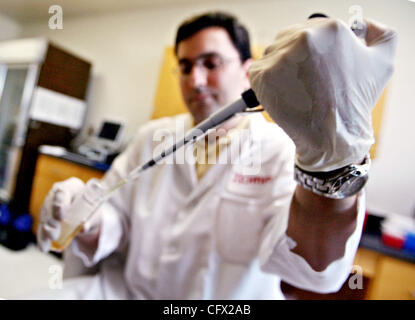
x=61 y=153
x=372 y=239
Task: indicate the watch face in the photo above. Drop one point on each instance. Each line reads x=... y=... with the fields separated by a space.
x=353 y=186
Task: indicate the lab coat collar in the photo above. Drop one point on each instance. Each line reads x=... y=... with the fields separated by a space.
x=255 y=126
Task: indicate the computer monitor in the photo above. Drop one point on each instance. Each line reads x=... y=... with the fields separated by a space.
x=109 y=134
x=109 y=130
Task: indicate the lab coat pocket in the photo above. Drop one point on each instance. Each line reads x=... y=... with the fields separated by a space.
x=239 y=224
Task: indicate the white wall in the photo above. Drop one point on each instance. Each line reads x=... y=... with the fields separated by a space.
x=9 y=29
x=126 y=50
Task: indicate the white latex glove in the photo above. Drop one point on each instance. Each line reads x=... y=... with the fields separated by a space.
x=53 y=210
x=319 y=82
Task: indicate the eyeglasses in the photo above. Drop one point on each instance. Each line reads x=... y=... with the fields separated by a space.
x=210 y=62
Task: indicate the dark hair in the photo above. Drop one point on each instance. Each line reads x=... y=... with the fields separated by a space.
x=237 y=32
x=318 y=15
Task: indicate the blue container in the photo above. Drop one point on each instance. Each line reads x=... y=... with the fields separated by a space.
x=20 y=232
x=5 y=221
x=23 y=223
x=409 y=244
x=5 y=216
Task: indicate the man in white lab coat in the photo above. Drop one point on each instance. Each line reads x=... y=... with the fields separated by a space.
x=233 y=222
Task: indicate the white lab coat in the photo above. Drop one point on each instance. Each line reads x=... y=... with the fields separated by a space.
x=218 y=238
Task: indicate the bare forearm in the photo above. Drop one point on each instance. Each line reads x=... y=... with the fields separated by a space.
x=320 y=226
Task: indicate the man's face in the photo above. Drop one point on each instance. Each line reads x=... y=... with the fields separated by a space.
x=211 y=72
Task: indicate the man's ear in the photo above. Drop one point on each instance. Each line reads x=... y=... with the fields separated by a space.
x=246 y=65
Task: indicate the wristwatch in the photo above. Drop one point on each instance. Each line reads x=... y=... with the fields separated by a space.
x=336 y=184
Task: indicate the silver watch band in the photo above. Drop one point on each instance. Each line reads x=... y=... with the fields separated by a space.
x=332 y=184
x=318 y=186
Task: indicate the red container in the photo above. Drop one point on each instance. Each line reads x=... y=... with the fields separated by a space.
x=393 y=241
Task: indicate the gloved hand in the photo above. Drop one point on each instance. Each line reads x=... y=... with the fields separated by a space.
x=53 y=210
x=319 y=83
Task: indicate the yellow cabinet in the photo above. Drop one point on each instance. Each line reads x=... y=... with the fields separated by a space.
x=394 y=280
x=389 y=278
x=50 y=170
